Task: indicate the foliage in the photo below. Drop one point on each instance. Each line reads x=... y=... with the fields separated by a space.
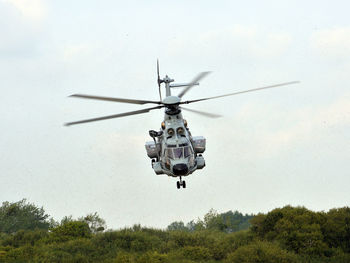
x=236 y=221
x=196 y=253
x=287 y=235
x=22 y=215
x=309 y=234
x=70 y=230
x=177 y=226
x=336 y=228
x=95 y=222
x=261 y=252
x=24 y=237
x=225 y=222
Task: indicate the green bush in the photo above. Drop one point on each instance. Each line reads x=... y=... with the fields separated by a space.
x=263 y=252
x=196 y=253
x=70 y=230
x=74 y=250
x=153 y=257
x=24 y=237
x=123 y=257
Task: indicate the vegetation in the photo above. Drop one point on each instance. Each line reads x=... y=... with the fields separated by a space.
x=284 y=235
x=22 y=215
x=226 y=222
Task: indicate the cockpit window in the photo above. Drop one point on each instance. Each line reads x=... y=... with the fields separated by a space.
x=187 y=151
x=170 y=153
x=178 y=152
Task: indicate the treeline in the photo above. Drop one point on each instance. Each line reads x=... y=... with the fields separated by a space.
x=226 y=222
x=284 y=235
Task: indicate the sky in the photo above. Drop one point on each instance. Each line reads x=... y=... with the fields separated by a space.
x=277 y=147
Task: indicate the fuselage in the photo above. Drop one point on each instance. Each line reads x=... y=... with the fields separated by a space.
x=177 y=153
x=174 y=151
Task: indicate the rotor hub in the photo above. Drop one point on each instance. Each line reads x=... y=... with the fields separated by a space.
x=171 y=100
x=167 y=79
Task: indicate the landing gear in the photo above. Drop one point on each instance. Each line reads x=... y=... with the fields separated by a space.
x=180 y=183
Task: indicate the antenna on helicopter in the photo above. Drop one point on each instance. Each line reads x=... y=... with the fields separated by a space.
x=159 y=80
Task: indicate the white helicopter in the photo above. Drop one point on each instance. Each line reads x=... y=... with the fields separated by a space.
x=174 y=151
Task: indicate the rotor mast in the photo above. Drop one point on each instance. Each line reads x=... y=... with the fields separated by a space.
x=167 y=82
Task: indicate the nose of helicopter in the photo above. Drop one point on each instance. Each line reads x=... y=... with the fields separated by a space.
x=180 y=169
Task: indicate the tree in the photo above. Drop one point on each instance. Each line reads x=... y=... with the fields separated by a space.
x=195 y=225
x=226 y=222
x=177 y=226
x=95 y=222
x=296 y=228
x=336 y=228
x=213 y=221
x=22 y=215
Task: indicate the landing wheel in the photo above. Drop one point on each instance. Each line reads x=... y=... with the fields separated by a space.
x=180 y=183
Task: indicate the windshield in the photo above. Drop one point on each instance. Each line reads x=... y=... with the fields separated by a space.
x=187 y=151
x=179 y=152
x=170 y=153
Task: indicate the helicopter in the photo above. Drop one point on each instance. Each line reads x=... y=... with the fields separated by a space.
x=173 y=150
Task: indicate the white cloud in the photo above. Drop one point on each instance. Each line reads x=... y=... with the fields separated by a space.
x=332 y=42
x=31 y=9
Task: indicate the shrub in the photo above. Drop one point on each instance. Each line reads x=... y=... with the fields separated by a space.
x=264 y=252
x=69 y=230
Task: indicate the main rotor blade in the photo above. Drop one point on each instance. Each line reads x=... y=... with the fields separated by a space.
x=114 y=116
x=206 y=114
x=132 y=101
x=193 y=82
x=240 y=92
x=159 y=81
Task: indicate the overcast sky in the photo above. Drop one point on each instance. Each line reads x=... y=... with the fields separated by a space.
x=289 y=145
